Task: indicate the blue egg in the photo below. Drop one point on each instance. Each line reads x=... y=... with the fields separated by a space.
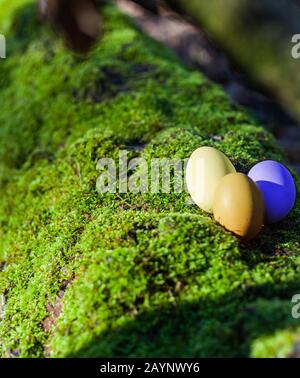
x=278 y=188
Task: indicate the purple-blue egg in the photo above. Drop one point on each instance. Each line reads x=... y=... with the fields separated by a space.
x=278 y=188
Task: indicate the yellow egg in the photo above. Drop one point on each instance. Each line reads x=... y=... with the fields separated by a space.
x=204 y=170
x=239 y=205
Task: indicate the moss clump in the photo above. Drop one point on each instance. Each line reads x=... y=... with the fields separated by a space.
x=88 y=274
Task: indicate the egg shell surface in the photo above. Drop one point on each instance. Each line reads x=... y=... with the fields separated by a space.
x=278 y=188
x=239 y=206
x=205 y=168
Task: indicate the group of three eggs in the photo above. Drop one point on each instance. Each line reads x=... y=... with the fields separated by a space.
x=241 y=203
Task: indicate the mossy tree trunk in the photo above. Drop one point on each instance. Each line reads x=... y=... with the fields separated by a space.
x=135 y=274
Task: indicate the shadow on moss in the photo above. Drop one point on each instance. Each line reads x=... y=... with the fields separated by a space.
x=225 y=327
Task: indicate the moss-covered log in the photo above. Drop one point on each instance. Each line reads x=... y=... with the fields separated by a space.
x=89 y=274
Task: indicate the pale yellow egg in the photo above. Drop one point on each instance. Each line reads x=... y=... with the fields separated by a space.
x=205 y=169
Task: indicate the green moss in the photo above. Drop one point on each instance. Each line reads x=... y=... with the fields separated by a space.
x=88 y=274
x=280 y=344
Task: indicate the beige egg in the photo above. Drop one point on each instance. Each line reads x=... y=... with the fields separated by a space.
x=204 y=170
x=239 y=205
